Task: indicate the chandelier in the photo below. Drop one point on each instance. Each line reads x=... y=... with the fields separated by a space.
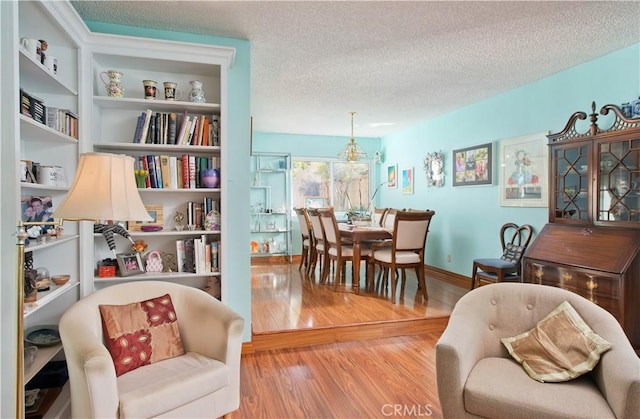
x=352 y=152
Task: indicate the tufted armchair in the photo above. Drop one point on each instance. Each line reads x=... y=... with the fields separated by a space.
x=478 y=378
x=204 y=382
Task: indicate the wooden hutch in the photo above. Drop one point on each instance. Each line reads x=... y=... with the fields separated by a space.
x=591 y=245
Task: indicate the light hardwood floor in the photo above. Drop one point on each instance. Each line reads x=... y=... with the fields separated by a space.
x=329 y=354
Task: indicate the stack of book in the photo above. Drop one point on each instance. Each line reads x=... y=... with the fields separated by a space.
x=172 y=172
x=198 y=256
x=164 y=128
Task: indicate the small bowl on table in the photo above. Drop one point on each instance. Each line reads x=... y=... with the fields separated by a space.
x=60 y=279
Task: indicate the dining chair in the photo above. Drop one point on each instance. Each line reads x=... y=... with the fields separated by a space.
x=337 y=250
x=318 y=254
x=409 y=238
x=514 y=240
x=305 y=233
x=378 y=216
x=389 y=218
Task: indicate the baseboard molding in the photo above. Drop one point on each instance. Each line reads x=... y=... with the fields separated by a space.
x=450 y=277
x=344 y=333
x=247 y=348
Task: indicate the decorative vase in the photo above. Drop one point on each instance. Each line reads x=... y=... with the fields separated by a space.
x=196 y=94
x=211 y=178
x=113 y=84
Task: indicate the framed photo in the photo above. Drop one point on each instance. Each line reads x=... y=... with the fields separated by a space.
x=524 y=164
x=407 y=180
x=392 y=176
x=155 y=211
x=314 y=202
x=473 y=166
x=129 y=263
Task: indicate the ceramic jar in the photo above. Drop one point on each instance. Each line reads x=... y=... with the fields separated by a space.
x=113 y=84
x=196 y=94
x=211 y=178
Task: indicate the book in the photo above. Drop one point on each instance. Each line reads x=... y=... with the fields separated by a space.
x=145 y=127
x=185 y=171
x=166 y=171
x=139 y=126
x=151 y=134
x=215 y=265
x=159 y=181
x=189 y=256
x=183 y=128
x=173 y=172
x=180 y=255
x=172 y=128
x=192 y=172
x=152 y=171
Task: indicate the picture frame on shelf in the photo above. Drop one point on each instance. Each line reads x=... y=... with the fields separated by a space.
x=156 y=213
x=473 y=165
x=392 y=176
x=129 y=263
x=524 y=168
x=407 y=181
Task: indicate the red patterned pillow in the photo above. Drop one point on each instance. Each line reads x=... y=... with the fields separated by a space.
x=141 y=333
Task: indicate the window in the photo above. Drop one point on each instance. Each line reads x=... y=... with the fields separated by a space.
x=325 y=183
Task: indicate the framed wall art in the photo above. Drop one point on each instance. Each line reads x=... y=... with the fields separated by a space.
x=392 y=176
x=473 y=165
x=407 y=180
x=524 y=164
x=434 y=168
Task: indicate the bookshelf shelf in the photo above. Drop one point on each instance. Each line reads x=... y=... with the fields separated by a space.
x=156 y=105
x=37 y=75
x=34 y=131
x=148 y=276
x=131 y=147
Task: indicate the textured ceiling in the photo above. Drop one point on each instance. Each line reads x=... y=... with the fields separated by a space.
x=395 y=63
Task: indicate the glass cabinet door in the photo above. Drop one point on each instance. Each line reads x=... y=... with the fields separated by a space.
x=570 y=174
x=619 y=181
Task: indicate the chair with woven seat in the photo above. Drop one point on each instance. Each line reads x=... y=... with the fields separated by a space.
x=410 y=229
x=305 y=232
x=514 y=240
x=337 y=250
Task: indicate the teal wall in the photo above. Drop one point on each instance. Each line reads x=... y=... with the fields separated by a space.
x=468 y=218
x=237 y=271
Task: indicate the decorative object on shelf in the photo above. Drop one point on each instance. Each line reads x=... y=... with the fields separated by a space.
x=43 y=335
x=352 y=152
x=197 y=93
x=42 y=47
x=473 y=165
x=60 y=279
x=51 y=63
x=31 y=47
x=108 y=230
x=30 y=291
x=377 y=157
x=30 y=353
x=169 y=262
x=52 y=176
x=154 y=262
x=113 y=84
x=211 y=178
x=107 y=268
x=178 y=218
x=139 y=246
x=129 y=263
x=43 y=279
x=149 y=89
x=155 y=213
x=434 y=168
x=171 y=91
x=635 y=108
x=150 y=228
x=524 y=163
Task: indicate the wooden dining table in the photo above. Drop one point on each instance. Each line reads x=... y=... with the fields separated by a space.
x=357 y=235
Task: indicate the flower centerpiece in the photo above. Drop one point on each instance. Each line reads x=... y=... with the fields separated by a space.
x=361 y=215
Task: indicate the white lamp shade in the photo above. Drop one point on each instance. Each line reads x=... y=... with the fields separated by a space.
x=104 y=188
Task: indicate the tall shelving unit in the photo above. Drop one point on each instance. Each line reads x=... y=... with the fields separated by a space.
x=25 y=138
x=114 y=124
x=270 y=221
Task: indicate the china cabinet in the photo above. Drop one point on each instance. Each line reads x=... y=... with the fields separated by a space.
x=592 y=243
x=172 y=165
x=270 y=217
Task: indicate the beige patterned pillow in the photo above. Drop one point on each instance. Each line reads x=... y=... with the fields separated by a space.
x=560 y=348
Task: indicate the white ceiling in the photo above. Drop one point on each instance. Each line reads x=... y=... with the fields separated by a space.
x=396 y=63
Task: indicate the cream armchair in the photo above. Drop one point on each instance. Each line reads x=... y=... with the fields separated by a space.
x=205 y=382
x=478 y=378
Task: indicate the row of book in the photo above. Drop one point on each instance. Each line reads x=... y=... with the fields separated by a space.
x=164 y=128
x=197 y=255
x=205 y=215
x=61 y=120
x=172 y=172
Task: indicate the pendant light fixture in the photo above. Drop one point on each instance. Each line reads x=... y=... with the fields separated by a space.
x=352 y=152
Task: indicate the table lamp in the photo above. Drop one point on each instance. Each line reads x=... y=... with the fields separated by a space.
x=104 y=188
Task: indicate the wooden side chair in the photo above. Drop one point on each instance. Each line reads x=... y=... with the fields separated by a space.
x=378 y=216
x=514 y=240
x=305 y=233
x=389 y=218
x=410 y=229
x=337 y=250
x=318 y=251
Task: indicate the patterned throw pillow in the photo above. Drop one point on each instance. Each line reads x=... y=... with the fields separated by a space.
x=560 y=348
x=141 y=333
x=512 y=253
